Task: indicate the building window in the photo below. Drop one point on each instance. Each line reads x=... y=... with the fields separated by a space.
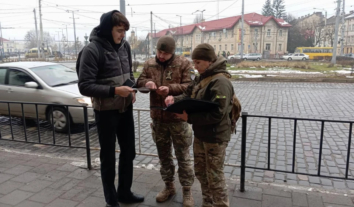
x=219 y=47
x=279 y=47
x=268 y=32
x=232 y=33
x=267 y=47
x=255 y=46
x=215 y=47
x=280 y=33
x=225 y=34
x=352 y=27
x=232 y=47
x=256 y=32
x=225 y=47
x=197 y=38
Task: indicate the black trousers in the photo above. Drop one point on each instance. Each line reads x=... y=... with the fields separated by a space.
x=112 y=125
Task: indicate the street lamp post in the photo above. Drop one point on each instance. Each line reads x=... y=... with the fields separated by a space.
x=86 y=42
x=181 y=29
x=324 y=43
x=202 y=40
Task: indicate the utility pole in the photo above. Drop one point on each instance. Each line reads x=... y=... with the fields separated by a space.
x=151 y=34
x=180 y=26
x=343 y=28
x=1 y=44
x=201 y=35
x=334 y=55
x=325 y=27
x=35 y=23
x=58 y=39
x=242 y=32
x=73 y=12
x=41 y=27
x=122 y=7
x=217 y=9
x=67 y=39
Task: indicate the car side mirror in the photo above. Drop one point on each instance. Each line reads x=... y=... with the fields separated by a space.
x=31 y=84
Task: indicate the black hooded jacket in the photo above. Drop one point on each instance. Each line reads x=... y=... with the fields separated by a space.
x=99 y=83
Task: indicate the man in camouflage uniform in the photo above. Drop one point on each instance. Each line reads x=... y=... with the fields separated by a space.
x=169 y=74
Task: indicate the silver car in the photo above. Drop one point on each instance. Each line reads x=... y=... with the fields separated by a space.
x=43 y=82
x=252 y=56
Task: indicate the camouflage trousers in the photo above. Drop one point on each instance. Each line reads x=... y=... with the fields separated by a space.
x=209 y=169
x=180 y=136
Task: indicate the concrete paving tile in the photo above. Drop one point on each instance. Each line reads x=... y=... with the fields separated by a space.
x=276 y=201
x=15 y=197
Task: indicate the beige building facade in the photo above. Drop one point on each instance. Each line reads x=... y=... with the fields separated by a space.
x=261 y=35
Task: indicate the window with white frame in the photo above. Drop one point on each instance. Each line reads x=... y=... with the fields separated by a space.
x=267 y=47
x=280 y=33
x=219 y=47
x=256 y=32
x=268 y=32
x=214 y=47
x=279 y=47
x=197 y=38
x=232 y=47
x=225 y=34
x=225 y=47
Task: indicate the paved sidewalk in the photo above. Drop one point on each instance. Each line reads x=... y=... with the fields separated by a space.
x=36 y=181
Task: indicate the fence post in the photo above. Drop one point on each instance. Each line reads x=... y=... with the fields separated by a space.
x=87 y=136
x=243 y=151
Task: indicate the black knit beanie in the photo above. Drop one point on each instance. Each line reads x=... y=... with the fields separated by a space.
x=205 y=52
x=166 y=44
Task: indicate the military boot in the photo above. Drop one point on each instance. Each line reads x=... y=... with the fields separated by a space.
x=169 y=191
x=188 y=200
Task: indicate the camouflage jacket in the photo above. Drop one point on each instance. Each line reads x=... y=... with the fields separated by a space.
x=176 y=75
x=213 y=126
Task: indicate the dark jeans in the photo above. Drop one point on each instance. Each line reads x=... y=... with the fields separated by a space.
x=112 y=124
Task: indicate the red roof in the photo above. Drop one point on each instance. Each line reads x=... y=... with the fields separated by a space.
x=3 y=39
x=252 y=19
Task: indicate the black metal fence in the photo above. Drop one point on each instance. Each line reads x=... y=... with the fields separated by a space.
x=245 y=115
x=54 y=141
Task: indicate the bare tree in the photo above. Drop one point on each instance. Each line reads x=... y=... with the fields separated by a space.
x=31 y=39
x=329 y=34
x=197 y=18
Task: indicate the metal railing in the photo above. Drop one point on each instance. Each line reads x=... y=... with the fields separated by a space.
x=244 y=117
x=318 y=174
x=66 y=107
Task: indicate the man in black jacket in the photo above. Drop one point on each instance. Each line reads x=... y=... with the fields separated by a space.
x=112 y=102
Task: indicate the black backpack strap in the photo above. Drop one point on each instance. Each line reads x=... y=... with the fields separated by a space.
x=101 y=56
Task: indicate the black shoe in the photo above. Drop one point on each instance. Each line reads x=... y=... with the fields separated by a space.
x=132 y=198
x=115 y=205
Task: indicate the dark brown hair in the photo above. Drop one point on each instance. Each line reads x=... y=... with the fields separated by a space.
x=118 y=19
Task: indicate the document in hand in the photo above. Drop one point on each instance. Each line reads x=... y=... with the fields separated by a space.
x=190 y=106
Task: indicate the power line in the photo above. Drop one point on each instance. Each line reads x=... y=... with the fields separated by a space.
x=165 y=3
x=224 y=9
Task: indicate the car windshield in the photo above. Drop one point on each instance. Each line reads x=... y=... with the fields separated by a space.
x=56 y=75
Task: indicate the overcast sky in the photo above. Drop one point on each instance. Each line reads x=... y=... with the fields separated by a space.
x=18 y=14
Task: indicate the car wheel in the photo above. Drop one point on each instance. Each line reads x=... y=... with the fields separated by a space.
x=258 y=59
x=303 y=58
x=244 y=58
x=60 y=119
x=232 y=58
x=289 y=59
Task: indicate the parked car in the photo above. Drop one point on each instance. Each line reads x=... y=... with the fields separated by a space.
x=296 y=56
x=43 y=82
x=236 y=56
x=351 y=55
x=252 y=56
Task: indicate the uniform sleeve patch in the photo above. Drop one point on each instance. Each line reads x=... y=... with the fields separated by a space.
x=220 y=97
